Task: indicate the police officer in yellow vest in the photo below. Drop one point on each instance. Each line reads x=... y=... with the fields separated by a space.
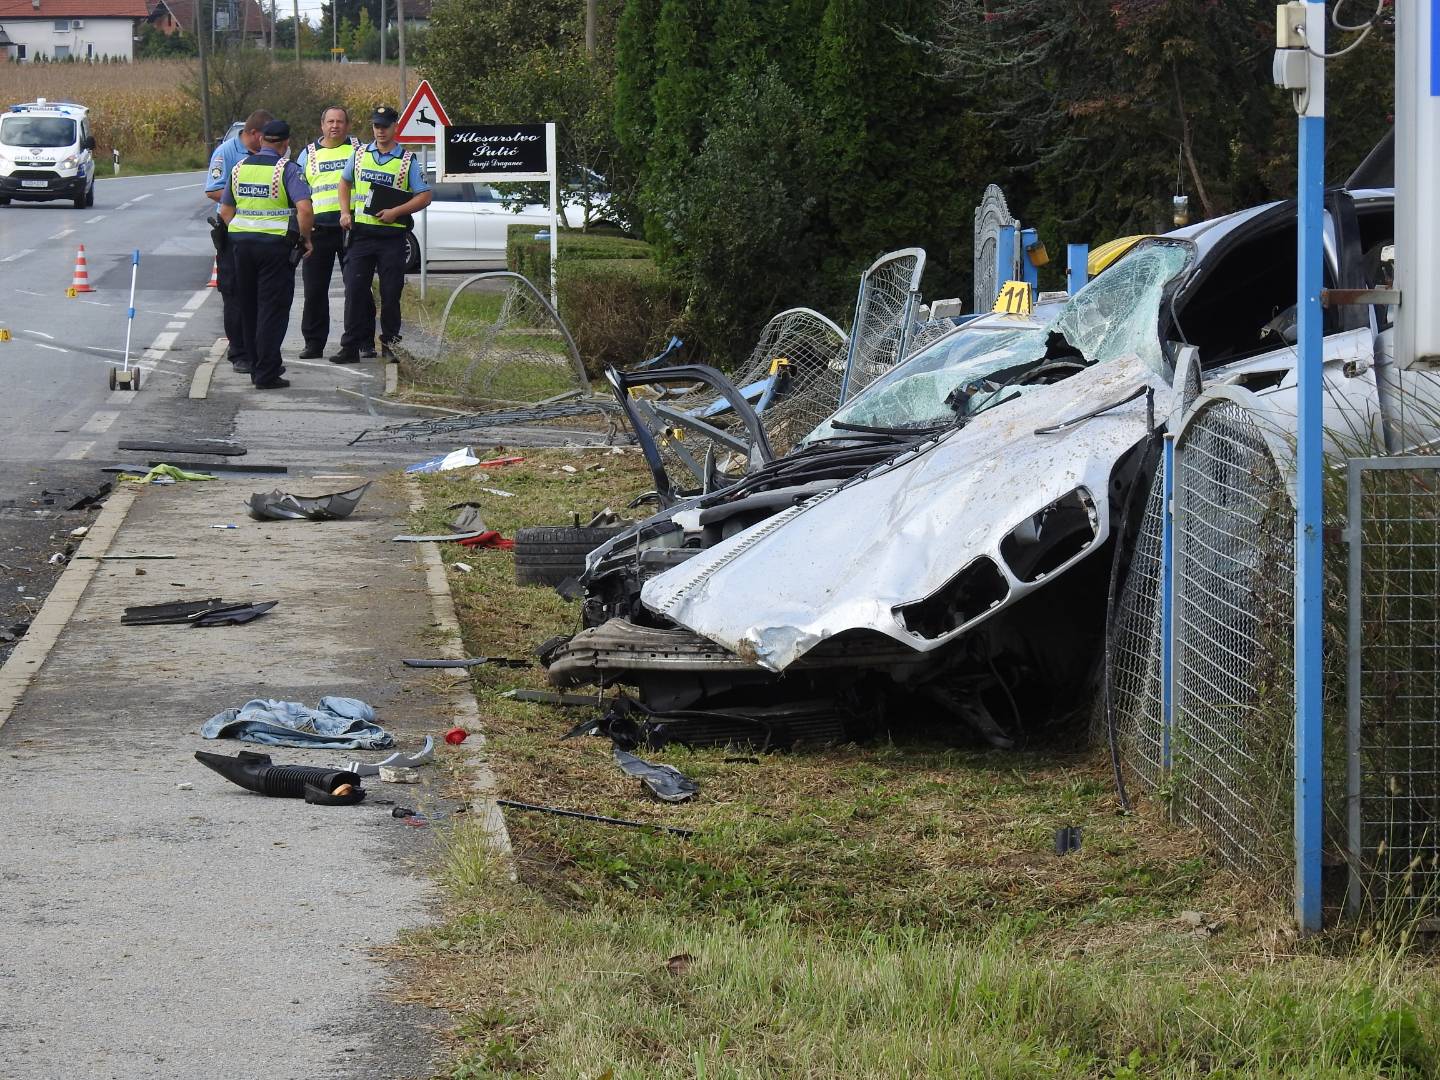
x=322 y=162
x=267 y=207
x=377 y=236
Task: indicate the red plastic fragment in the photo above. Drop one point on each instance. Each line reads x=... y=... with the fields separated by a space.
x=491 y=539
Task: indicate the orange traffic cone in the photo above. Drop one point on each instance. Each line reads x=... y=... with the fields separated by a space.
x=214 y=274
x=81 y=281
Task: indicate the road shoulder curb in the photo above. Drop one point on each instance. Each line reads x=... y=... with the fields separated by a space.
x=200 y=382
x=465 y=710
x=30 y=654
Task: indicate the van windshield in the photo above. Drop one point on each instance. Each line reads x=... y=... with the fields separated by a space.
x=37 y=131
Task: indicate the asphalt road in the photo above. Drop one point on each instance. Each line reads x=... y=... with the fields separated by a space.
x=59 y=421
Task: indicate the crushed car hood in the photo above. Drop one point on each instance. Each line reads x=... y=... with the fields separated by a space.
x=898 y=534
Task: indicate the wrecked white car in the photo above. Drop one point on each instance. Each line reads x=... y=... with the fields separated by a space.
x=947 y=538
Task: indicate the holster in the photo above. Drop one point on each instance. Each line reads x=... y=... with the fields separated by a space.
x=219 y=233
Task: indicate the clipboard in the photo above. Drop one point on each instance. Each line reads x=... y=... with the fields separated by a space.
x=382 y=197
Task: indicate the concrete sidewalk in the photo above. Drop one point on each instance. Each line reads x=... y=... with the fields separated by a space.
x=155 y=930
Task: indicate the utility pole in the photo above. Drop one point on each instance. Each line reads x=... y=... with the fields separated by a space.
x=297 y=32
x=334 y=31
x=272 y=29
x=591 y=17
x=400 y=18
x=204 y=78
x=384 y=30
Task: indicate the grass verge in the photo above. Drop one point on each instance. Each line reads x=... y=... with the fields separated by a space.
x=894 y=909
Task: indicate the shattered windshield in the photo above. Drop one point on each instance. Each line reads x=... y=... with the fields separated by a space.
x=959 y=376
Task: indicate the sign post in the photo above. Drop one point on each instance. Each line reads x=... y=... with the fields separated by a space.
x=505 y=153
x=421 y=121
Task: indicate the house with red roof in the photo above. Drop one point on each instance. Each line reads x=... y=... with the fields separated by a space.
x=33 y=30
x=244 y=19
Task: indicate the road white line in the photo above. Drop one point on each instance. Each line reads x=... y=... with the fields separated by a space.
x=174 y=326
x=61 y=234
x=125 y=206
x=193 y=304
x=95 y=220
x=74 y=451
x=52 y=348
x=183 y=187
x=40 y=333
x=100 y=422
x=95 y=303
x=139 y=198
x=27 y=292
x=19 y=255
x=162 y=342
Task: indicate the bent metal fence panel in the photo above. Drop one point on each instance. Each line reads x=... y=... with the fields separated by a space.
x=1393 y=714
x=500 y=342
x=884 y=314
x=1232 y=742
x=1134 y=703
x=792 y=377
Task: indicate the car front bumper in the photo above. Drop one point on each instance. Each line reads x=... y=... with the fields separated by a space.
x=40 y=185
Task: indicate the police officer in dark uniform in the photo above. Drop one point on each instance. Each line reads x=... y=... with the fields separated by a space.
x=377 y=236
x=227 y=155
x=267 y=207
x=322 y=163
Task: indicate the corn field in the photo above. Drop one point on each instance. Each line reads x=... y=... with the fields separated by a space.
x=151 y=105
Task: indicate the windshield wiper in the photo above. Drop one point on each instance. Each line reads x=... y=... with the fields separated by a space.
x=1139 y=392
x=898 y=432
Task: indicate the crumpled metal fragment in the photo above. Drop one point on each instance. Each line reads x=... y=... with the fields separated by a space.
x=282 y=506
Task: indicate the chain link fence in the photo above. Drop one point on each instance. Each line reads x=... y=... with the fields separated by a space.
x=1132 y=717
x=1393 y=714
x=793 y=372
x=884 y=314
x=1230 y=768
x=497 y=342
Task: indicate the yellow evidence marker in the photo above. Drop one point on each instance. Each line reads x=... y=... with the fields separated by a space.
x=1014 y=299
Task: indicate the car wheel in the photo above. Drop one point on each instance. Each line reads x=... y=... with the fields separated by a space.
x=90 y=194
x=412 y=253
x=4 y=200
x=549 y=554
x=79 y=201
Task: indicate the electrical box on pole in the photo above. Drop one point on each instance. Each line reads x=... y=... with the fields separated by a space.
x=1417 y=172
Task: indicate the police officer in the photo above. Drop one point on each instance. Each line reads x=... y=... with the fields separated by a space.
x=322 y=162
x=267 y=206
x=227 y=155
x=377 y=236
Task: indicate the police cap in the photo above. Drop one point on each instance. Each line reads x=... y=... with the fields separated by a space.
x=384 y=116
x=275 y=131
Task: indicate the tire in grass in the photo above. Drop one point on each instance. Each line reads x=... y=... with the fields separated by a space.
x=548 y=554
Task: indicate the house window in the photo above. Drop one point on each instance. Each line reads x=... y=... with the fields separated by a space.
x=62 y=25
x=62 y=52
x=19 y=52
x=89 y=51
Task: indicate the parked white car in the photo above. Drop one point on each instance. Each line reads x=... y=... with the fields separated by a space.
x=468 y=224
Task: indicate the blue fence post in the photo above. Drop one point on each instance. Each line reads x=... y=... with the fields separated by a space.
x=1004 y=258
x=1029 y=272
x=1309 y=517
x=1167 y=606
x=1077 y=269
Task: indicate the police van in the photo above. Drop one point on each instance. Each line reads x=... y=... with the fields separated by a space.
x=47 y=153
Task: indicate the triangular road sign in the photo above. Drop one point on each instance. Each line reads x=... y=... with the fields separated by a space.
x=422 y=118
